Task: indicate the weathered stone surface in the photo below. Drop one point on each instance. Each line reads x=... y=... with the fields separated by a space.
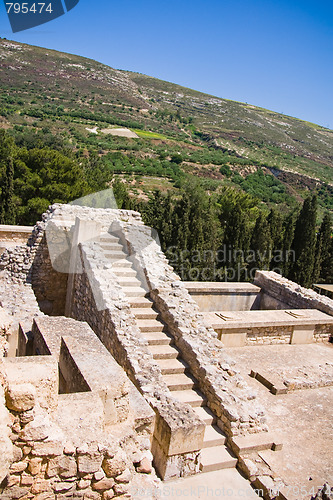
x=26 y=480
x=83 y=484
x=145 y=466
x=125 y=477
x=108 y=495
x=121 y=489
x=14 y=493
x=38 y=429
x=64 y=466
x=19 y=466
x=35 y=465
x=20 y=397
x=40 y=486
x=99 y=475
x=62 y=487
x=89 y=463
x=116 y=465
x=104 y=484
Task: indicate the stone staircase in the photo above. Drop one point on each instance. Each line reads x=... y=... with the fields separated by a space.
x=176 y=373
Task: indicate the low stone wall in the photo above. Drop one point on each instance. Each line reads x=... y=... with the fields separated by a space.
x=5 y=332
x=61 y=446
x=11 y=236
x=289 y=293
x=224 y=296
x=267 y=336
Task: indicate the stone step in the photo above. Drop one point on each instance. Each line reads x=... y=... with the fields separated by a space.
x=150 y=325
x=163 y=352
x=205 y=414
x=134 y=291
x=258 y=442
x=216 y=458
x=179 y=382
x=145 y=313
x=116 y=255
x=192 y=397
x=108 y=238
x=128 y=281
x=172 y=366
x=158 y=338
x=213 y=437
x=125 y=271
x=121 y=263
x=140 y=302
x=112 y=246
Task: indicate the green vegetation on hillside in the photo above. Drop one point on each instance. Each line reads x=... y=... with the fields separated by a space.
x=211 y=175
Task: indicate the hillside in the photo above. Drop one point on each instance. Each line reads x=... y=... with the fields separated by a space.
x=276 y=158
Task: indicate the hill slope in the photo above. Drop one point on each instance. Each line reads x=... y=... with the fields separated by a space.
x=67 y=95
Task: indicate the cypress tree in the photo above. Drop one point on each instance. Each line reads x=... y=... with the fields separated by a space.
x=275 y=223
x=288 y=237
x=323 y=262
x=304 y=243
x=7 y=211
x=261 y=244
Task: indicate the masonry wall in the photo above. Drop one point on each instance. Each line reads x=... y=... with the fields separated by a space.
x=178 y=434
x=290 y=294
x=228 y=394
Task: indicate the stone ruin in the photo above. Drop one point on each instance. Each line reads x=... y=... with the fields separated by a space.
x=113 y=373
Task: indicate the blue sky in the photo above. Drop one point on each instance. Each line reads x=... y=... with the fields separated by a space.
x=277 y=54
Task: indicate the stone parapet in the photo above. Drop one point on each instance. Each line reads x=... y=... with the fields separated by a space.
x=227 y=393
x=292 y=294
x=99 y=300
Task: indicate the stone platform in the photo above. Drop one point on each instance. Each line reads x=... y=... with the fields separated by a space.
x=300 y=418
x=294 y=326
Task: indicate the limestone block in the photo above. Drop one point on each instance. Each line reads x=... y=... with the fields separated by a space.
x=104 y=484
x=39 y=371
x=178 y=432
x=302 y=335
x=64 y=466
x=115 y=466
x=40 y=486
x=89 y=463
x=50 y=447
x=233 y=338
x=108 y=495
x=15 y=492
x=35 y=465
x=36 y=430
x=125 y=477
x=20 y=397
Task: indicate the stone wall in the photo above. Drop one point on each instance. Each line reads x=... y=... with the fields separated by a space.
x=178 y=434
x=227 y=392
x=11 y=236
x=291 y=294
x=5 y=331
x=212 y=296
x=59 y=446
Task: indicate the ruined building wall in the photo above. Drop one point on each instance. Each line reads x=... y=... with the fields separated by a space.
x=290 y=294
x=178 y=434
x=227 y=392
x=41 y=454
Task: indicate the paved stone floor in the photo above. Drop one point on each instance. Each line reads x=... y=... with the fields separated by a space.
x=303 y=418
x=225 y=484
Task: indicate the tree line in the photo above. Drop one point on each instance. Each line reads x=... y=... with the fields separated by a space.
x=218 y=236
x=227 y=236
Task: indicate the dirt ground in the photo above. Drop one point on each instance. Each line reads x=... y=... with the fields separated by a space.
x=303 y=418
